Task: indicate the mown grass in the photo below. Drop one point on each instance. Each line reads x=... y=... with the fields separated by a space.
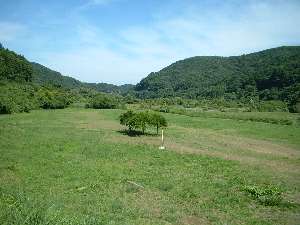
x=283 y=118
x=73 y=167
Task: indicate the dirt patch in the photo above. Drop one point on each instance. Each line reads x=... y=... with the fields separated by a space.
x=240 y=143
x=8 y=177
x=95 y=121
x=193 y=220
x=150 y=202
x=266 y=155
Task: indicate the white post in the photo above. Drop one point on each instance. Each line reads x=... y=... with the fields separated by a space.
x=162 y=140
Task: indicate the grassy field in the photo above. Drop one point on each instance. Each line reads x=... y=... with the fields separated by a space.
x=282 y=118
x=74 y=166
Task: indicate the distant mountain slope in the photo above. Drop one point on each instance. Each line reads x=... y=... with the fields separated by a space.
x=111 y=88
x=269 y=74
x=43 y=75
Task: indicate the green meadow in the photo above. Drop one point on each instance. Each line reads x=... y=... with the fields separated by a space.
x=76 y=166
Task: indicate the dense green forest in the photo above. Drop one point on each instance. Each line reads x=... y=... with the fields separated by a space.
x=111 y=88
x=262 y=81
x=273 y=74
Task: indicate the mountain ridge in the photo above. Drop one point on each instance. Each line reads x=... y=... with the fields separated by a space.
x=43 y=75
x=271 y=74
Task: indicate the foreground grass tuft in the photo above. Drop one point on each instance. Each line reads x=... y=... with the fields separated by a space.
x=269 y=196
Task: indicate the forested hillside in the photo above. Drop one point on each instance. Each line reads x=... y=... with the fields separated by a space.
x=268 y=75
x=45 y=76
x=20 y=93
x=14 y=67
x=273 y=74
x=25 y=86
x=111 y=88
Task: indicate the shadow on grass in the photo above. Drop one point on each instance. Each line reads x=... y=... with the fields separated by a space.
x=135 y=133
x=289 y=205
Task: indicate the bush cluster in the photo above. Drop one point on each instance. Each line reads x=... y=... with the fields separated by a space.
x=142 y=120
x=53 y=98
x=270 y=106
x=18 y=97
x=219 y=104
x=103 y=101
x=269 y=196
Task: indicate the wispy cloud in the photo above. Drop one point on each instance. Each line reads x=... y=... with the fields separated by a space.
x=129 y=54
x=101 y=2
x=10 y=31
x=92 y=3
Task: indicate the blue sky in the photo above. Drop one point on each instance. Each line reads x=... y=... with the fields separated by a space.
x=122 y=41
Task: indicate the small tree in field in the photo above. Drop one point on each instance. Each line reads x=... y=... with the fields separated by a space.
x=128 y=119
x=158 y=121
x=142 y=120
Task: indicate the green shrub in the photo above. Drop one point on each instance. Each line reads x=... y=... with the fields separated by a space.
x=103 y=101
x=269 y=196
x=16 y=98
x=296 y=107
x=164 y=109
x=52 y=98
x=272 y=106
x=128 y=119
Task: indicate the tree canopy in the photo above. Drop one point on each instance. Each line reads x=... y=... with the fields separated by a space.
x=142 y=120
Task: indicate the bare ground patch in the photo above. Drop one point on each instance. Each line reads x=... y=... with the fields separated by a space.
x=94 y=121
x=218 y=139
x=193 y=220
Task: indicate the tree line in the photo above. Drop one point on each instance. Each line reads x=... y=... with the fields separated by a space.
x=265 y=81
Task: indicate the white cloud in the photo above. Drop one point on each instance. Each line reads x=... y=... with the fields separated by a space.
x=10 y=31
x=100 y=2
x=137 y=51
x=91 y=3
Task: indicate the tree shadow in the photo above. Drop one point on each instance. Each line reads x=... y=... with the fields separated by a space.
x=135 y=133
x=288 y=204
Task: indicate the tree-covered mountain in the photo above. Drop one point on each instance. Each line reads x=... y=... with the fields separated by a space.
x=111 y=88
x=272 y=74
x=45 y=76
x=19 y=92
x=14 y=67
x=27 y=85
